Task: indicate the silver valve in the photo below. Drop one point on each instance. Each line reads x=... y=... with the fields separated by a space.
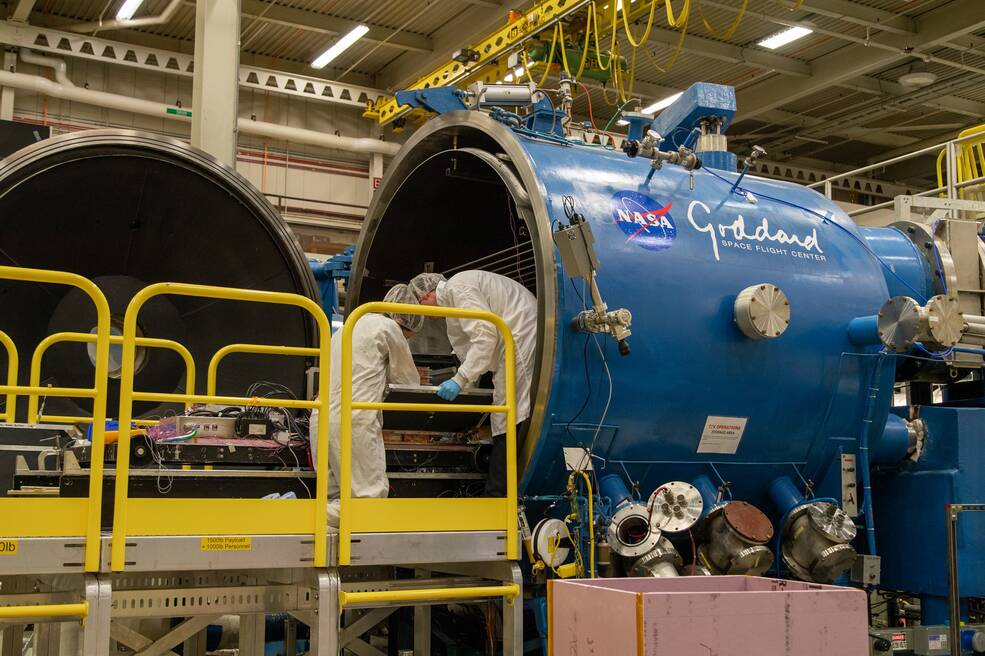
x=754 y=156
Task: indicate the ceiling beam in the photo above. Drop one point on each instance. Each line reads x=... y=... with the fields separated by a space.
x=922 y=143
x=944 y=102
x=729 y=53
x=875 y=137
x=852 y=12
x=312 y=21
x=23 y=10
x=468 y=27
x=935 y=27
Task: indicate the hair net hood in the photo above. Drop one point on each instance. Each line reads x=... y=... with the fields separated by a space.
x=401 y=294
x=424 y=283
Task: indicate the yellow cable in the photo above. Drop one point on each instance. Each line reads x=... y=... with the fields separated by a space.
x=677 y=51
x=727 y=34
x=649 y=22
x=547 y=63
x=564 y=49
x=591 y=518
x=681 y=19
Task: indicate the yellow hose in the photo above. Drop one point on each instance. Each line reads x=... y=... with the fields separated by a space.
x=649 y=22
x=591 y=518
x=727 y=34
x=681 y=18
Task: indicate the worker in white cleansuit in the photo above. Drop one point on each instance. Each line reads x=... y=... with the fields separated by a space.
x=380 y=355
x=479 y=346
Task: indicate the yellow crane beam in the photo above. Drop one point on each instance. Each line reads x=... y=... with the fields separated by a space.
x=497 y=44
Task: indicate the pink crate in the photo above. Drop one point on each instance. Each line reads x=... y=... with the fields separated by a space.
x=706 y=616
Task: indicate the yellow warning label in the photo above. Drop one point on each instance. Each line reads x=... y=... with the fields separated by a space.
x=8 y=547
x=227 y=543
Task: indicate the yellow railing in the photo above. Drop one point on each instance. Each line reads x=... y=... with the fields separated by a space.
x=80 y=610
x=970 y=162
x=32 y=406
x=509 y=592
x=55 y=516
x=10 y=409
x=425 y=515
x=259 y=349
x=218 y=517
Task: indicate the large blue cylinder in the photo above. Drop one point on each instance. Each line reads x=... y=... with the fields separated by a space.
x=677 y=258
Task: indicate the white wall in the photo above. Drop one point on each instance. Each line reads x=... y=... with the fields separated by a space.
x=322 y=182
x=876 y=218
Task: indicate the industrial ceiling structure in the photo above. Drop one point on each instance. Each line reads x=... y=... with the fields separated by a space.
x=867 y=79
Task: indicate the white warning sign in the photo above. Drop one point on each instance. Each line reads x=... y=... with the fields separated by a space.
x=722 y=434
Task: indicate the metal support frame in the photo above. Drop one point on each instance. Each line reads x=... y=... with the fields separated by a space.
x=81 y=46
x=7 y=94
x=951 y=512
x=215 y=93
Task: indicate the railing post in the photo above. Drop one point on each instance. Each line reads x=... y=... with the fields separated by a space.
x=827 y=188
x=952 y=168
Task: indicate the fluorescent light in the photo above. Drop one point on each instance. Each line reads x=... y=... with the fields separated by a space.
x=128 y=9
x=508 y=78
x=622 y=121
x=340 y=46
x=660 y=104
x=519 y=70
x=781 y=39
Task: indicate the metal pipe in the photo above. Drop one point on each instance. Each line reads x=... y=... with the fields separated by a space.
x=59 y=66
x=473 y=263
x=100 y=25
x=953 y=596
x=44 y=86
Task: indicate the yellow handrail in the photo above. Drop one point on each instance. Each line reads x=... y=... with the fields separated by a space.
x=29 y=508
x=970 y=155
x=80 y=610
x=509 y=591
x=223 y=515
x=412 y=511
x=261 y=349
x=43 y=346
x=10 y=410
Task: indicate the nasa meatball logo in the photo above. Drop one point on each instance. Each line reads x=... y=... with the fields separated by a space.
x=646 y=222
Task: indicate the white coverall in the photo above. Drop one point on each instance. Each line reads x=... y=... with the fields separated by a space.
x=380 y=355
x=479 y=345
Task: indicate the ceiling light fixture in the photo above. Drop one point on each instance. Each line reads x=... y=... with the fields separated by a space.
x=128 y=9
x=781 y=39
x=660 y=104
x=358 y=32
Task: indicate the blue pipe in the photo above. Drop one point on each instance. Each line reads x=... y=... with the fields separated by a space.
x=708 y=491
x=614 y=487
x=864 y=331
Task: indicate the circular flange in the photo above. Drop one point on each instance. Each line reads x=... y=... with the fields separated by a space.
x=630 y=534
x=664 y=552
x=831 y=521
x=748 y=521
x=676 y=506
x=547 y=536
x=946 y=321
x=752 y=561
x=899 y=323
x=762 y=311
x=832 y=562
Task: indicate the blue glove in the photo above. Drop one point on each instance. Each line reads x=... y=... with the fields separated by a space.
x=449 y=390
